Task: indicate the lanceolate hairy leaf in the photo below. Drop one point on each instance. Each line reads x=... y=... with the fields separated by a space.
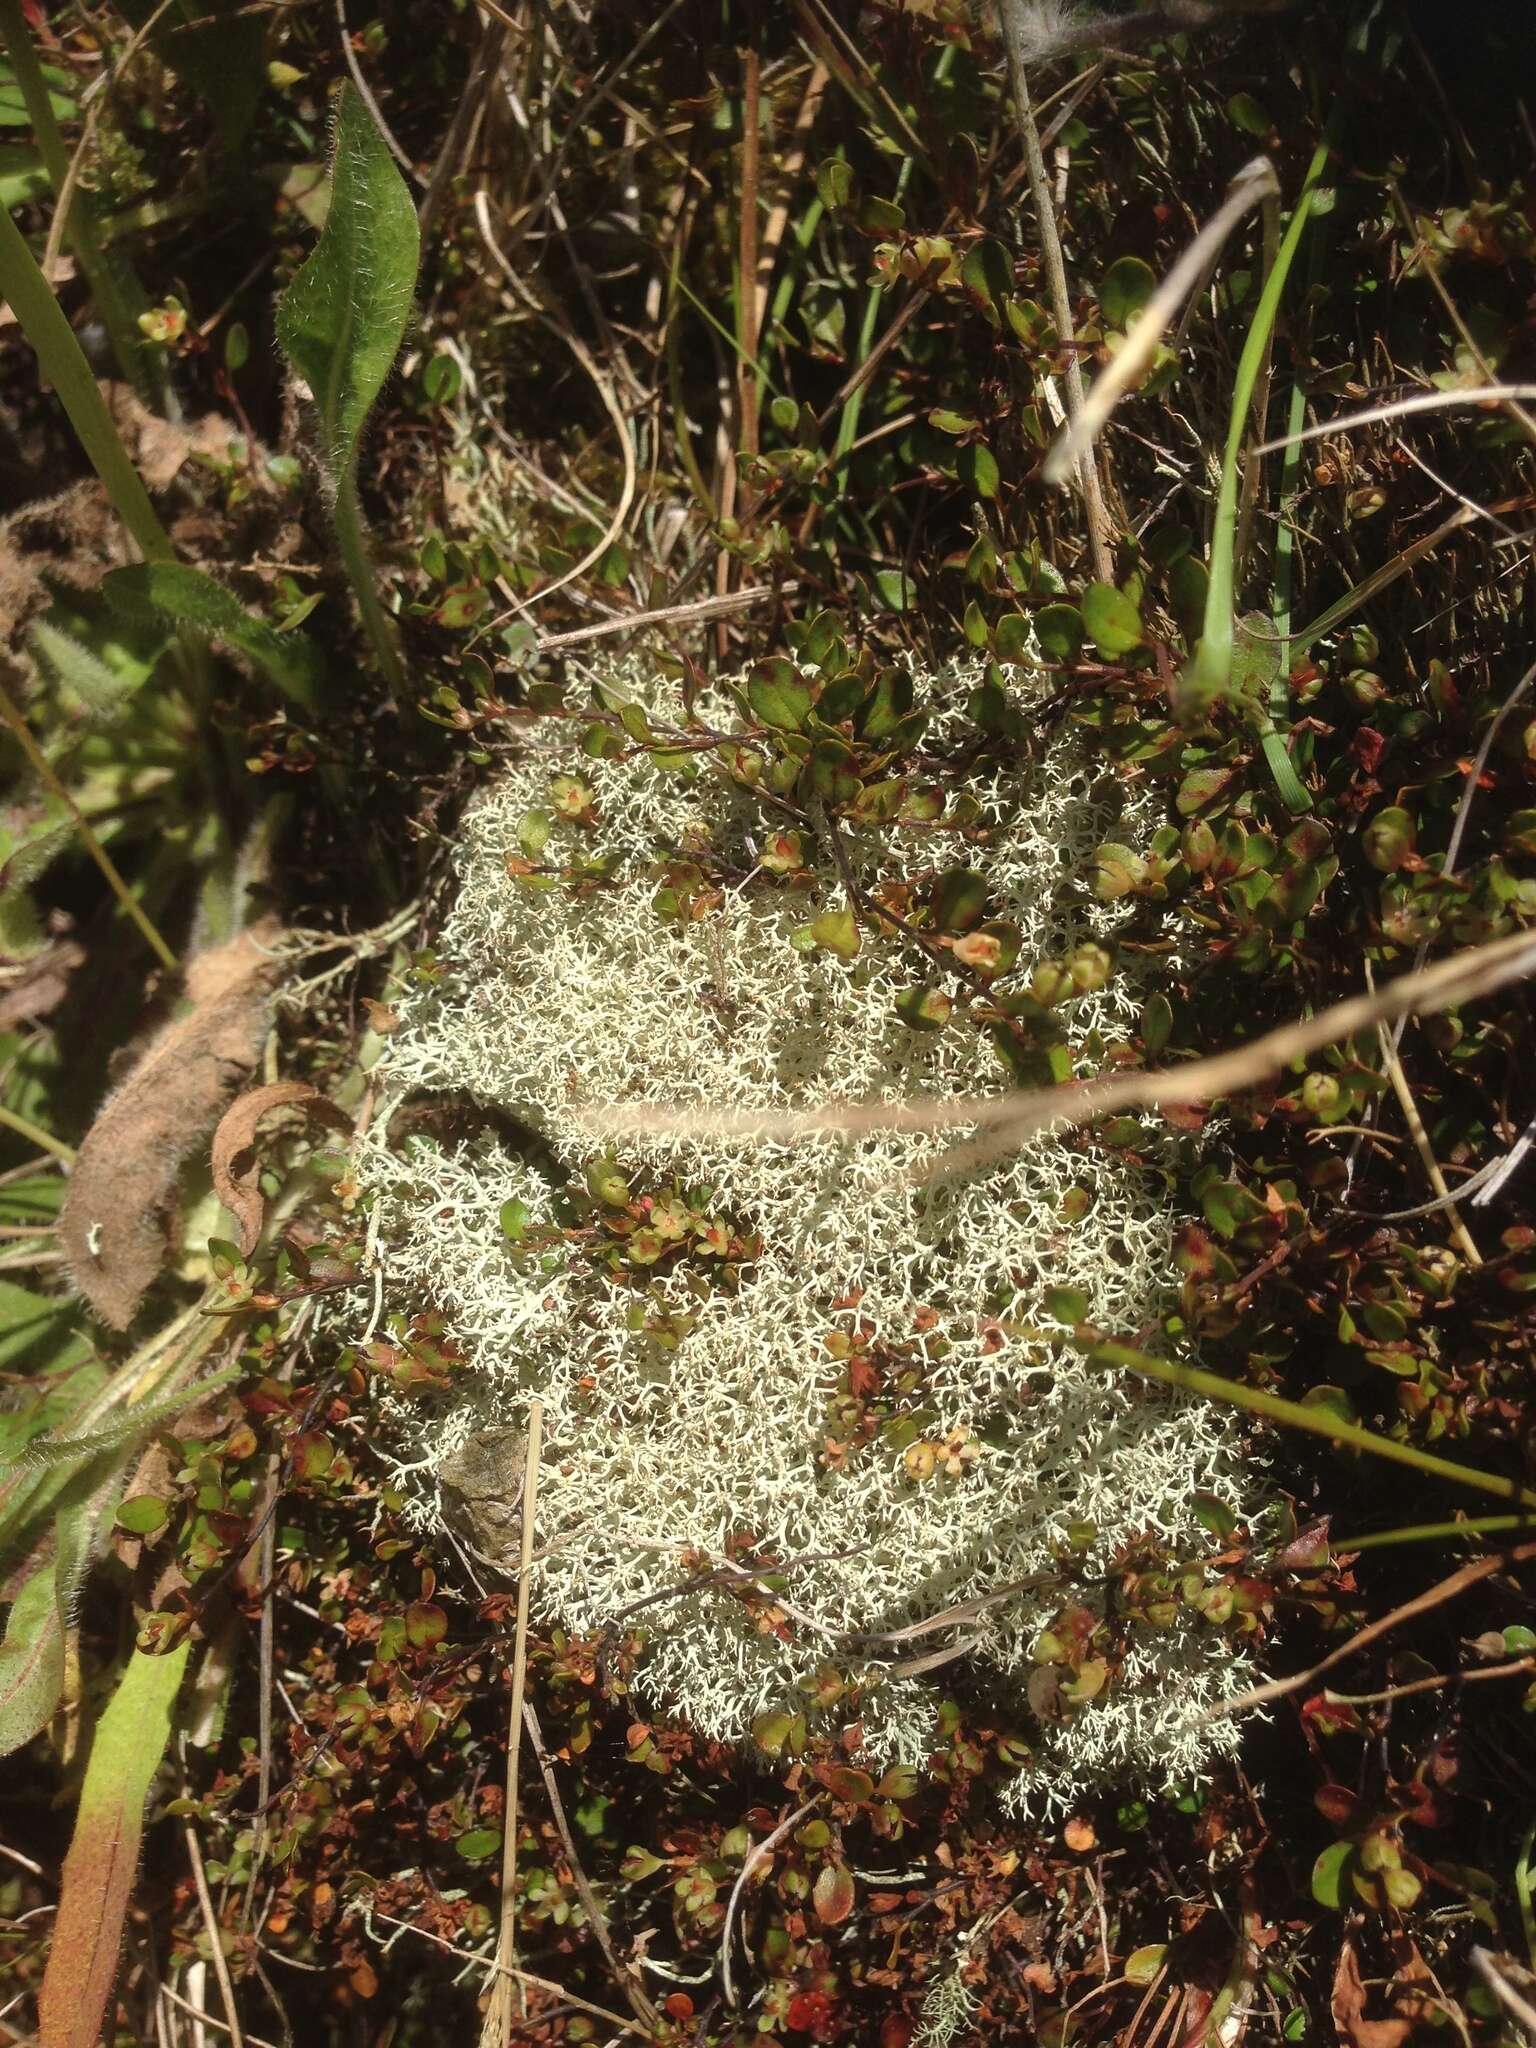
x=129 y=1424
x=170 y=592
x=103 y=1857
x=32 y=1654
x=341 y=322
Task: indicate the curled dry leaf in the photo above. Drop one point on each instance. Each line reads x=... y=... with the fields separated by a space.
x=236 y=1169
x=113 y=1223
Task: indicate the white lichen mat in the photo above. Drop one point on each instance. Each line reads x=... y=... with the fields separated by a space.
x=682 y=1415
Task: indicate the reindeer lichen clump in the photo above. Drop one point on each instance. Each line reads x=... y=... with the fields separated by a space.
x=815 y=1357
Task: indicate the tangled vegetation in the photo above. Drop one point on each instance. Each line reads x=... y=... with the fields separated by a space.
x=666 y=676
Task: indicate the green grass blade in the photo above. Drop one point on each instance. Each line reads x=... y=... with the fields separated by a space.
x=1211 y=673
x=341 y=322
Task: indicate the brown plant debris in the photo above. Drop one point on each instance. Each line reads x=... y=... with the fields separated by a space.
x=113 y=1225
x=236 y=1167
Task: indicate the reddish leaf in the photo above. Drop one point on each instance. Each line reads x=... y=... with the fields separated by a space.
x=833 y=1895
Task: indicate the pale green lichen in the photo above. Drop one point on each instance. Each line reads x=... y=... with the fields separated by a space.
x=551 y=1000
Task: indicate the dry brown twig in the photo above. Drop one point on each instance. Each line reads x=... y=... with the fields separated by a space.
x=1252 y=185
x=1423 y=1603
x=757 y=1854
x=1099 y=536
x=496 y=2031
x=998 y=1123
x=597 y=1919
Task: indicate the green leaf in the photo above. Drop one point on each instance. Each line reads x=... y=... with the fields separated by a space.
x=1143 y=1964
x=143 y=1514
x=1245 y=112
x=778 y=695
x=1128 y=284
x=38 y=1331
x=1117 y=871
x=1156 y=1024
x=837 y=931
x=959 y=900
x=102 y=687
x=987 y=271
x=515 y=1219
x=216 y=46
x=1328 y=1874
x=833 y=1895
x=170 y=593
x=772 y=1732
x=977 y=466
x=834 y=183
x=32 y=1654
x=102 y=1864
x=23 y=174
x=1212 y=1513
x=887 y=705
x=1201 y=786
x=61 y=103
x=341 y=322
x=1059 y=629
x=1113 y=622
x=895 y=589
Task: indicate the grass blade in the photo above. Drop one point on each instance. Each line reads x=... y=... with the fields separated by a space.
x=1210 y=674
x=63 y=363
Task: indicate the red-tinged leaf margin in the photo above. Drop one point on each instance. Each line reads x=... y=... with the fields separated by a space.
x=103 y=1858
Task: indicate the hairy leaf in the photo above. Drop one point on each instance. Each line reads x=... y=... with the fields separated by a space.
x=171 y=593
x=111 y=1228
x=340 y=323
x=98 y=1875
x=32 y=1654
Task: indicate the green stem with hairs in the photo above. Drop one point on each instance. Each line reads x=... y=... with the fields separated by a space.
x=352 y=539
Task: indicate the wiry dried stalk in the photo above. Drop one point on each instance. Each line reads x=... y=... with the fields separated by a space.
x=998 y=1123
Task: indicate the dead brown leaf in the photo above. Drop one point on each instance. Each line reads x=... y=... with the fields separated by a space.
x=1348 y=2006
x=113 y=1225
x=237 y=1170
x=36 y=986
